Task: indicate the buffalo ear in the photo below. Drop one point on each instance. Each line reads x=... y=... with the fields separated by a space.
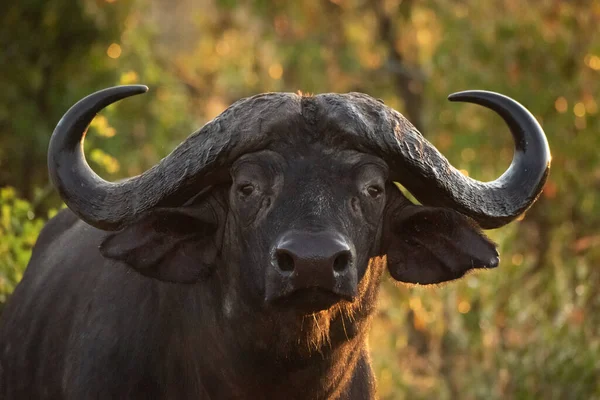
x=427 y=245
x=169 y=244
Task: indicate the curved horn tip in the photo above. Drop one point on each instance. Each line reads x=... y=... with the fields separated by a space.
x=120 y=92
x=130 y=90
x=470 y=95
x=507 y=107
x=96 y=101
x=140 y=88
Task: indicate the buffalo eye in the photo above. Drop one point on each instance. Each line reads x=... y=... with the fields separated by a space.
x=245 y=189
x=374 y=191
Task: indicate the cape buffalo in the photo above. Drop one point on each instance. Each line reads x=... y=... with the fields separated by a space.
x=245 y=265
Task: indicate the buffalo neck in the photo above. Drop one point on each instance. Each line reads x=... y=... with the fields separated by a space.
x=224 y=348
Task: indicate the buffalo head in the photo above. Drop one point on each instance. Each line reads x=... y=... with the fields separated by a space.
x=287 y=201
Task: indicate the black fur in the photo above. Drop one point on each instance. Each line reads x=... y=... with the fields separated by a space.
x=173 y=306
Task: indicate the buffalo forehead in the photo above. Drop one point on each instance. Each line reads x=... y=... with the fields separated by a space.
x=330 y=117
x=354 y=114
x=267 y=112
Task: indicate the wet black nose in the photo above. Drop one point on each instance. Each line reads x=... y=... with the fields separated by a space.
x=307 y=256
x=312 y=260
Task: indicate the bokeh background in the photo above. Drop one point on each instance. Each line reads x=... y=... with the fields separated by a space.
x=528 y=330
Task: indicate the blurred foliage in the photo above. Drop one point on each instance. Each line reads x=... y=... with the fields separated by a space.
x=528 y=330
x=19 y=229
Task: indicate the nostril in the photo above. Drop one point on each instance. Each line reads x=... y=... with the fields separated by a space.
x=285 y=262
x=341 y=262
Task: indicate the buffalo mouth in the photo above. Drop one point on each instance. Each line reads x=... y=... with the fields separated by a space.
x=310 y=300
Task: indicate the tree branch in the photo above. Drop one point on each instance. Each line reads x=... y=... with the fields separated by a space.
x=408 y=81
